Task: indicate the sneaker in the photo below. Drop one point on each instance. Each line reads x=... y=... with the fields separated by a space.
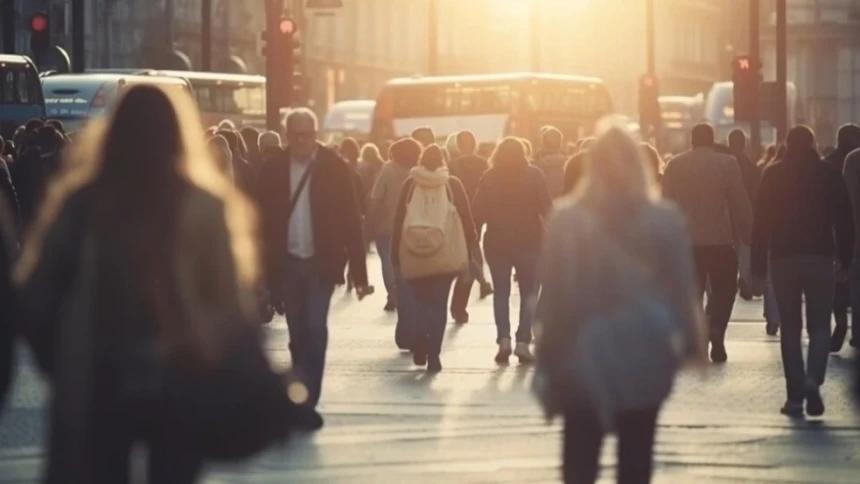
x=771 y=329
x=504 y=352
x=307 y=418
x=486 y=290
x=814 y=403
x=434 y=364
x=792 y=409
x=461 y=318
x=718 y=353
x=524 y=353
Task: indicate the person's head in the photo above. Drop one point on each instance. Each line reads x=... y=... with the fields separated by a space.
x=302 y=125
x=737 y=140
x=432 y=158
x=58 y=125
x=799 y=143
x=770 y=152
x=552 y=139
x=510 y=154
x=616 y=174
x=453 y=152
x=251 y=137
x=703 y=136
x=226 y=124
x=424 y=135
x=19 y=136
x=527 y=145
x=370 y=154
x=350 y=150
x=828 y=150
x=405 y=152
x=655 y=163
x=269 y=140
x=848 y=137
x=237 y=144
x=33 y=125
x=467 y=144
x=49 y=139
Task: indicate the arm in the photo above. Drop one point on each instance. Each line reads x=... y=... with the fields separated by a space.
x=399 y=215
x=740 y=210
x=461 y=201
x=842 y=217
x=353 y=231
x=481 y=205
x=761 y=227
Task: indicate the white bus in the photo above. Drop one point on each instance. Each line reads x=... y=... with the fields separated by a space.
x=491 y=106
x=720 y=112
x=348 y=119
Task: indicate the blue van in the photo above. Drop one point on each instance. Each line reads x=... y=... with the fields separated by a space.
x=21 y=96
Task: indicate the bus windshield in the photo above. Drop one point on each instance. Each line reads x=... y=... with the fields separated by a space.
x=20 y=93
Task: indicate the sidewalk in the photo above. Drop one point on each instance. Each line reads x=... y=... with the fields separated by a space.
x=476 y=422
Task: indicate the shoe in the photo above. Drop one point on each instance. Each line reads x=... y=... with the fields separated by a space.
x=504 y=352
x=838 y=338
x=814 y=403
x=792 y=409
x=390 y=306
x=524 y=353
x=434 y=365
x=306 y=418
x=718 y=353
x=486 y=290
x=419 y=353
x=744 y=290
x=771 y=329
x=461 y=318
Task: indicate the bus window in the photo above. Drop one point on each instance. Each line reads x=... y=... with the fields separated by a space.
x=8 y=93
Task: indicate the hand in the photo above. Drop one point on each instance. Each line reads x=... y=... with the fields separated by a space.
x=363 y=291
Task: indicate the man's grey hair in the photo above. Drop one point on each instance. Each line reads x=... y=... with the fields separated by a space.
x=299 y=113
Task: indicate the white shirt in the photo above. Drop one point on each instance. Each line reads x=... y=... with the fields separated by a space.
x=300 y=236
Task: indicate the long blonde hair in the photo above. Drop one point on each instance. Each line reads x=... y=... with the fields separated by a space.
x=100 y=159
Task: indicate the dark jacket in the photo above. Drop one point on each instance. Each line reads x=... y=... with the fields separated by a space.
x=801 y=204
x=244 y=176
x=8 y=305
x=514 y=205
x=338 y=235
x=750 y=174
x=552 y=165
x=460 y=200
x=358 y=190
x=30 y=176
x=8 y=192
x=469 y=169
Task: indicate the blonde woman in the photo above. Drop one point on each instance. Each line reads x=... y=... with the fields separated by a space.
x=618 y=312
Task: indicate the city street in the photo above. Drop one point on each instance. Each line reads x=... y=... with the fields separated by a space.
x=387 y=421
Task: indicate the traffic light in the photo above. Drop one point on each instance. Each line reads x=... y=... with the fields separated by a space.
x=295 y=87
x=746 y=79
x=40 y=34
x=649 y=104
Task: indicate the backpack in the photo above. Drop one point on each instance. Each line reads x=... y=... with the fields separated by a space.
x=432 y=241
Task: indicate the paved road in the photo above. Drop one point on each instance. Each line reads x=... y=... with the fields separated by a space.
x=476 y=422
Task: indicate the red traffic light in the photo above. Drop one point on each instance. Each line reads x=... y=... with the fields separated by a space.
x=39 y=22
x=743 y=63
x=287 y=26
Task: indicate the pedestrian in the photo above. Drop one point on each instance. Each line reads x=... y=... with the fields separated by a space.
x=655 y=163
x=573 y=170
x=513 y=201
x=270 y=147
x=551 y=160
x=802 y=205
x=424 y=135
x=8 y=303
x=382 y=206
x=350 y=152
x=251 y=137
x=451 y=151
x=617 y=314
x=227 y=125
x=222 y=155
x=243 y=172
x=154 y=299
x=469 y=167
x=709 y=189
x=749 y=172
x=39 y=161
x=370 y=164
x=847 y=140
x=431 y=243
x=527 y=146
x=311 y=231
x=851 y=174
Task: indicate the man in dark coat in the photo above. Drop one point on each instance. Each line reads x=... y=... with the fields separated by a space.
x=311 y=230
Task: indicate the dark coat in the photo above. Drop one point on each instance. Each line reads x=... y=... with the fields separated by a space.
x=8 y=305
x=335 y=212
x=244 y=176
x=469 y=169
x=8 y=192
x=30 y=176
x=801 y=205
x=750 y=174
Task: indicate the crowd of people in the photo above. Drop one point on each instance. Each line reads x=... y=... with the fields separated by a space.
x=139 y=272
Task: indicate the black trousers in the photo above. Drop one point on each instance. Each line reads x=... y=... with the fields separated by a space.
x=583 y=439
x=717 y=265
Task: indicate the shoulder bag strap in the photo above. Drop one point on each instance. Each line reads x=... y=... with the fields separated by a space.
x=302 y=183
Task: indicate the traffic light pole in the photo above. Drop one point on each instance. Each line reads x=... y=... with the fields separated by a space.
x=755 y=58
x=8 y=26
x=781 y=71
x=274 y=8
x=78 y=48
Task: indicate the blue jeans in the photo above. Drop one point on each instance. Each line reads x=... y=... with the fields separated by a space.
x=306 y=305
x=431 y=309
x=501 y=268
x=383 y=247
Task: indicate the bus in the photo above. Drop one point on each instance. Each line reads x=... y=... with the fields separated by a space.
x=348 y=118
x=679 y=114
x=75 y=99
x=241 y=98
x=491 y=106
x=20 y=93
x=720 y=112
